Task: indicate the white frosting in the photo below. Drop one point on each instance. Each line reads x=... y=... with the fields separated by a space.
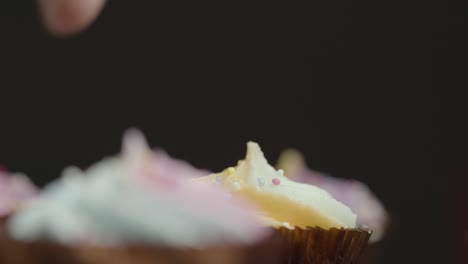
x=254 y=173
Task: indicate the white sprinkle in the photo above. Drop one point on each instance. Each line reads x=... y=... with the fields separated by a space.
x=217 y=181
x=261 y=181
x=281 y=172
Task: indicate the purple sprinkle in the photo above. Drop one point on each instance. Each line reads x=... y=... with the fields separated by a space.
x=276 y=181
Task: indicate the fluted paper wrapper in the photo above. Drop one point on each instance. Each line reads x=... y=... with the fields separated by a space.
x=13 y=251
x=285 y=246
x=315 y=245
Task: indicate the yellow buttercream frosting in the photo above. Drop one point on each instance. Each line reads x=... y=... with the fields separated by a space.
x=283 y=202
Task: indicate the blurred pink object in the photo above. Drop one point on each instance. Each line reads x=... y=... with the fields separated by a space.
x=15 y=190
x=365 y=204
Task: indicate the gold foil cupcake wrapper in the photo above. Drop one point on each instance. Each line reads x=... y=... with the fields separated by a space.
x=315 y=245
x=312 y=245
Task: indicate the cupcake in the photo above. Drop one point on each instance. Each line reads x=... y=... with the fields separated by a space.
x=317 y=227
x=15 y=190
x=129 y=209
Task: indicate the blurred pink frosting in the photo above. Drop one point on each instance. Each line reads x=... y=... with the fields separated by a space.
x=362 y=201
x=15 y=189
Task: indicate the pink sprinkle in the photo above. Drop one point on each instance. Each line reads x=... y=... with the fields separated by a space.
x=276 y=181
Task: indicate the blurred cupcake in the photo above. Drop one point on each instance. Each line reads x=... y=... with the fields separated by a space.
x=370 y=211
x=317 y=227
x=15 y=190
x=132 y=209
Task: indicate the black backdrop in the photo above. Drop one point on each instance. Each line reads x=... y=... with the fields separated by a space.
x=351 y=84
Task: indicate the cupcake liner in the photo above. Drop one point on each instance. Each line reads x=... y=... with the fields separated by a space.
x=13 y=251
x=285 y=246
x=315 y=245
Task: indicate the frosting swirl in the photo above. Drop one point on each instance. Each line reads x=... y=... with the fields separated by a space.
x=280 y=199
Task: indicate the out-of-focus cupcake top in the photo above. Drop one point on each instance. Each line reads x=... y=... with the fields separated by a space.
x=370 y=211
x=135 y=198
x=15 y=190
x=281 y=199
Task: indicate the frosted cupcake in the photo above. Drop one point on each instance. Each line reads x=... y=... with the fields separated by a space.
x=318 y=228
x=129 y=209
x=15 y=190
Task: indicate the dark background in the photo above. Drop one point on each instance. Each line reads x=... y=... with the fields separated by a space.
x=366 y=90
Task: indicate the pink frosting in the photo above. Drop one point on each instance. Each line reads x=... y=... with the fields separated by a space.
x=354 y=194
x=362 y=201
x=15 y=189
